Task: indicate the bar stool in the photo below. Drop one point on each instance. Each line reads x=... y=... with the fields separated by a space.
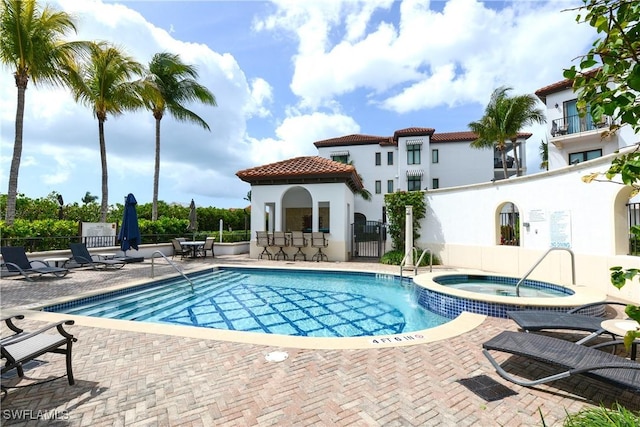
x=299 y=241
x=262 y=240
x=318 y=241
x=280 y=239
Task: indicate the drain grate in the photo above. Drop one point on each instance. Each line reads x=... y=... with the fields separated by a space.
x=487 y=388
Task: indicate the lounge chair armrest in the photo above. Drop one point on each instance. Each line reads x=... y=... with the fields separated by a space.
x=58 y=325
x=595 y=304
x=569 y=372
x=16 y=266
x=11 y=325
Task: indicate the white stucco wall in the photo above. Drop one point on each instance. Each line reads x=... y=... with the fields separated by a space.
x=462 y=226
x=271 y=198
x=459 y=164
x=581 y=141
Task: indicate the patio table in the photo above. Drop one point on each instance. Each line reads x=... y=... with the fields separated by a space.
x=193 y=246
x=620 y=328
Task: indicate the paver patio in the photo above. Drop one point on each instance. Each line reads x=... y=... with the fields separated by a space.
x=126 y=378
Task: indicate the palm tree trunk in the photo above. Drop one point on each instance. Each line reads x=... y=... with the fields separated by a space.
x=156 y=174
x=12 y=192
x=503 y=154
x=105 y=177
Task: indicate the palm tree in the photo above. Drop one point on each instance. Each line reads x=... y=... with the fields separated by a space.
x=522 y=112
x=169 y=85
x=503 y=118
x=31 y=43
x=544 y=155
x=104 y=83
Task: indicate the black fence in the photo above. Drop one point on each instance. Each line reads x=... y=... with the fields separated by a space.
x=510 y=228
x=40 y=244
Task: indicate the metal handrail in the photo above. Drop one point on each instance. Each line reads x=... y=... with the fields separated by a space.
x=414 y=252
x=424 y=251
x=170 y=263
x=573 y=267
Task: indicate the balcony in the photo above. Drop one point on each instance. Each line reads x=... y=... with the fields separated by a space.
x=575 y=128
x=575 y=124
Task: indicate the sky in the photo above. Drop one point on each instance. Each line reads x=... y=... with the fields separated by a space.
x=285 y=74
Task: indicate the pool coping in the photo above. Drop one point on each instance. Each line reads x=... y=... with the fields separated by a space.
x=582 y=295
x=464 y=323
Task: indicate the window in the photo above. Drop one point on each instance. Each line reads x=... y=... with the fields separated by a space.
x=390 y=157
x=573 y=122
x=414 y=183
x=434 y=155
x=435 y=183
x=584 y=156
x=340 y=158
x=378 y=187
x=390 y=186
x=413 y=154
x=378 y=159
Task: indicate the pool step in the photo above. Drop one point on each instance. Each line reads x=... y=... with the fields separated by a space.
x=173 y=292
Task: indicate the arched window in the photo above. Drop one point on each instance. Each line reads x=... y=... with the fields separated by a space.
x=508 y=220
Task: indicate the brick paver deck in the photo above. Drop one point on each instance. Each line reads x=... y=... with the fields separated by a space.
x=135 y=379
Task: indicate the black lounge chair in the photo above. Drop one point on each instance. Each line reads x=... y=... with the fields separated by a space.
x=574 y=359
x=15 y=261
x=539 y=320
x=21 y=347
x=80 y=255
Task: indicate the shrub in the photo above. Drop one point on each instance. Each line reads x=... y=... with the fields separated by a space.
x=595 y=417
x=394 y=257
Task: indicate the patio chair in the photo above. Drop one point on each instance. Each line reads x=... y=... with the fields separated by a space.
x=573 y=359
x=299 y=241
x=208 y=246
x=263 y=241
x=539 y=320
x=178 y=249
x=22 y=346
x=280 y=239
x=319 y=241
x=15 y=261
x=81 y=256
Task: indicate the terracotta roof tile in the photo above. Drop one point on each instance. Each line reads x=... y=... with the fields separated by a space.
x=309 y=169
x=413 y=131
x=466 y=136
x=355 y=139
x=559 y=86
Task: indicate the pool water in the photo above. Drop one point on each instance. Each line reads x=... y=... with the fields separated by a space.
x=286 y=302
x=502 y=286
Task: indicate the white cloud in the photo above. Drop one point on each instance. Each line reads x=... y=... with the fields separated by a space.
x=428 y=58
x=261 y=94
x=298 y=133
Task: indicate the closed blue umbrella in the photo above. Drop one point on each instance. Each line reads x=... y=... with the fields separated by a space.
x=129 y=232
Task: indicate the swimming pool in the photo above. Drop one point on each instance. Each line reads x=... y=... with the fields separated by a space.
x=272 y=301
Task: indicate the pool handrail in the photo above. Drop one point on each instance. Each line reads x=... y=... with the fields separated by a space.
x=414 y=250
x=170 y=263
x=573 y=267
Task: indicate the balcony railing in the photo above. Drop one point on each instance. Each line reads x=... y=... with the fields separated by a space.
x=575 y=124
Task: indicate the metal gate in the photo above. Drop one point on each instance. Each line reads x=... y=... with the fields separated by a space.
x=367 y=239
